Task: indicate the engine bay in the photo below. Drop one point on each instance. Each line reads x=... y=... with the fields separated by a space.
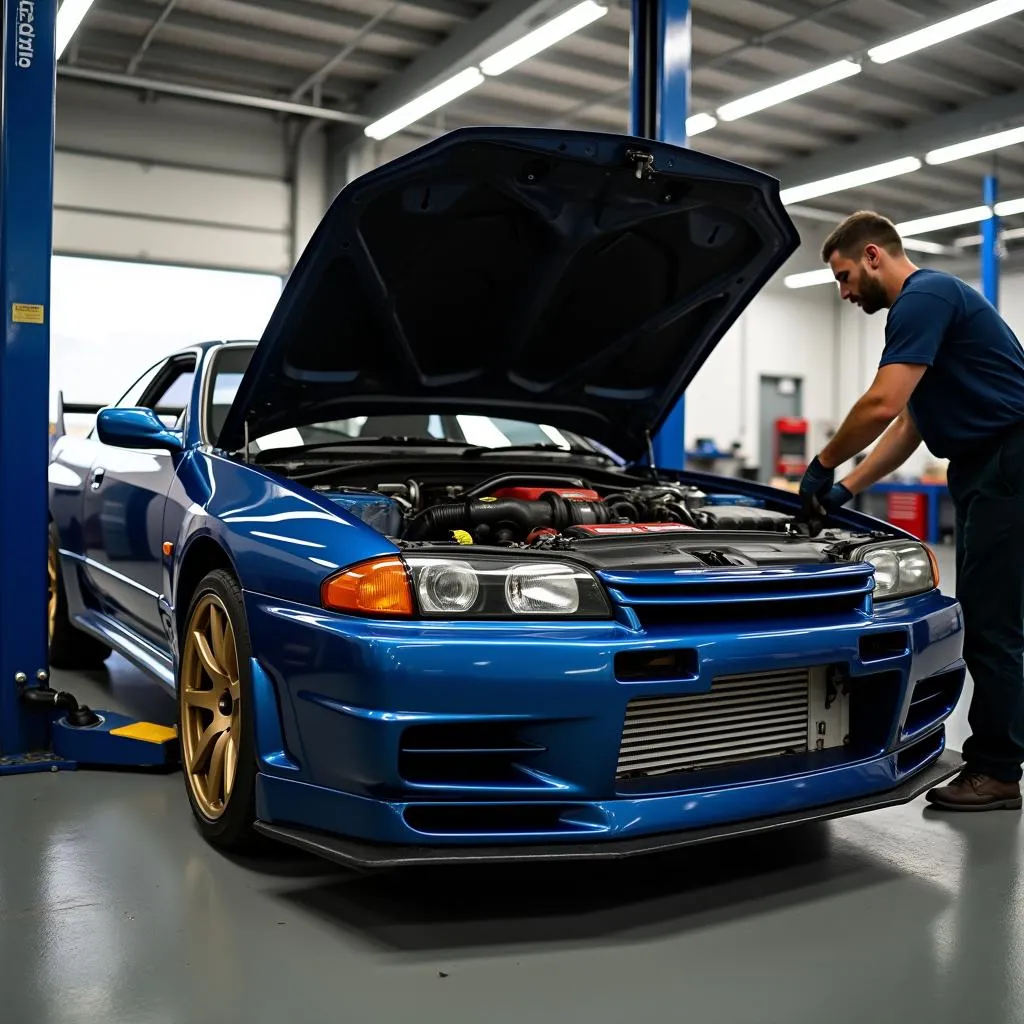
x=598 y=515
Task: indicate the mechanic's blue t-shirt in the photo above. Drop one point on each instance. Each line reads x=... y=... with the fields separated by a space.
x=973 y=389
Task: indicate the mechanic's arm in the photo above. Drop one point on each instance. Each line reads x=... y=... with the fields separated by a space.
x=914 y=330
x=875 y=410
x=898 y=443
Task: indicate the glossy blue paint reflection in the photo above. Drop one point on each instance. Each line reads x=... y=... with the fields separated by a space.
x=135 y=428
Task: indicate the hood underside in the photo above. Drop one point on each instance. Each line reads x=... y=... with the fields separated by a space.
x=577 y=279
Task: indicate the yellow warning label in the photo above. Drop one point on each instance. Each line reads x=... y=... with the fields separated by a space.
x=147 y=732
x=25 y=313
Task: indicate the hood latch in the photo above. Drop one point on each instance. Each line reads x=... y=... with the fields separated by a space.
x=643 y=162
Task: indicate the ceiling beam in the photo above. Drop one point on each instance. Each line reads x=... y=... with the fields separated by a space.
x=497 y=26
x=300 y=19
x=815 y=57
x=202 y=32
x=136 y=57
x=968 y=122
x=981 y=41
x=219 y=96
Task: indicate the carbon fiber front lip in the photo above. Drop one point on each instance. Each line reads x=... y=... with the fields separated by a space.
x=358 y=853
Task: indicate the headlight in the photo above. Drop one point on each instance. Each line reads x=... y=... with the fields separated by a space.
x=466 y=588
x=902 y=568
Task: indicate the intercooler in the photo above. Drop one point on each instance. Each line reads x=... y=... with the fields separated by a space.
x=741 y=718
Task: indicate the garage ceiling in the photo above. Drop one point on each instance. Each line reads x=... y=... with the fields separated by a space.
x=359 y=58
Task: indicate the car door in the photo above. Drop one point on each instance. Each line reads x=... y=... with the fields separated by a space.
x=124 y=499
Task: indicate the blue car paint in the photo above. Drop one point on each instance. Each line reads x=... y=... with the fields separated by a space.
x=333 y=693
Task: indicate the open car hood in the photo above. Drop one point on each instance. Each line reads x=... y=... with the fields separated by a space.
x=577 y=279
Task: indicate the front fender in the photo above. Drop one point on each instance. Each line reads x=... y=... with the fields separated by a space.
x=282 y=539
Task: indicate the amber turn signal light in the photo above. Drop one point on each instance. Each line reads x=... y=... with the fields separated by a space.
x=379 y=586
x=935 y=564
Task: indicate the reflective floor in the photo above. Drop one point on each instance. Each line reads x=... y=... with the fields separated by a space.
x=112 y=910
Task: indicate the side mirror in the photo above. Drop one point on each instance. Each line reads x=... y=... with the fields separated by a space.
x=135 y=428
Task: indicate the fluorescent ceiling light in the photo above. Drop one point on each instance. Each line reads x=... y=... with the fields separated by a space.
x=952 y=219
x=1006 y=236
x=946 y=29
x=425 y=104
x=69 y=17
x=548 y=34
x=809 y=278
x=851 y=179
x=973 y=147
x=1009 y=207
x=920 y=245
x=697 y=123
x=788 y=90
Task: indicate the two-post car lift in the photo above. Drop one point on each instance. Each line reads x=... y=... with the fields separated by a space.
x=40 y=728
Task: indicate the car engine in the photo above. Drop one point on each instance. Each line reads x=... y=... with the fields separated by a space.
x=534 y=510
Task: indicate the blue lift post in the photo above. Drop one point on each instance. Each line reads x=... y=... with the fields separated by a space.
x=26 y=218
x=660 y=99
x=990 y=244
x=40 y=729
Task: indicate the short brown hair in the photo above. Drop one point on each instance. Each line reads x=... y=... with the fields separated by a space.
x=860 y=229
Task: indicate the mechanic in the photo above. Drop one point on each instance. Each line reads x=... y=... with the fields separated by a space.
x=951 y=374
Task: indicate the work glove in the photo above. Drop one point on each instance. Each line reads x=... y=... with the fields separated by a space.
x=815 y=484
x=836 y=498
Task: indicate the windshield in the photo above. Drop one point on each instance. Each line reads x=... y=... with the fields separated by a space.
x=477 y=431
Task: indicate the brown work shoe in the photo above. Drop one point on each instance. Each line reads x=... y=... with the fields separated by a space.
x=971 y=791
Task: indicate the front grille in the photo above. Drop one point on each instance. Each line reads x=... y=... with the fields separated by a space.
x=741 y=718
x=717 y=596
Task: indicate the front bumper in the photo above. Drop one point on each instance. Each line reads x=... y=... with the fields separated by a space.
x=363 y=854
x=336 y=700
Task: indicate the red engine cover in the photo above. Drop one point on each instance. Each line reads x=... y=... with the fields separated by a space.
x=618 y=529
x=534 y=493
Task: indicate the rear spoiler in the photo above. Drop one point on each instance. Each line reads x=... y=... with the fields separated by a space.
x=74 y=408
x=80 y=408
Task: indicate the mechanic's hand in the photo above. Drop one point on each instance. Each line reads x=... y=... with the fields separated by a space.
x=836 y=498
x=817 y=481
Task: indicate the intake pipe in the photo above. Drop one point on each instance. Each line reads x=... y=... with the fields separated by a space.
x=506 y=519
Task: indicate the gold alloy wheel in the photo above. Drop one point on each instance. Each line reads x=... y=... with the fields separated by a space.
x=211 y=710
x=51 y=593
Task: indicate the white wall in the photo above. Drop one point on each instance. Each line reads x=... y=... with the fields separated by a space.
x=180 y=182
x=781 y=334
x=1011 y=301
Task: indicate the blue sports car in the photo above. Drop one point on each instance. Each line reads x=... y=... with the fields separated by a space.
x=414 y=579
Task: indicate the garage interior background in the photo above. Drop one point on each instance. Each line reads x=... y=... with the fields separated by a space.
x=177 y=218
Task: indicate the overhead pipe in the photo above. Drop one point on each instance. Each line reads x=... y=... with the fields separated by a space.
x=223 y=97
x=136 y=59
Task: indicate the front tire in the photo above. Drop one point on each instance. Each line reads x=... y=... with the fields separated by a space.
x=215 y=718
x=69 y=647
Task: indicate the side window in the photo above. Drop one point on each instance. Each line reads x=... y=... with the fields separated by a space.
x=170 y=402
x=131 y=398
x=166 y=391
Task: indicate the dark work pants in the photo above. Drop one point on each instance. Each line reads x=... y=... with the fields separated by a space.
x=987 y=488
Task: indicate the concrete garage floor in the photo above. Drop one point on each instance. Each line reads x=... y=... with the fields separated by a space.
x=113 y=910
